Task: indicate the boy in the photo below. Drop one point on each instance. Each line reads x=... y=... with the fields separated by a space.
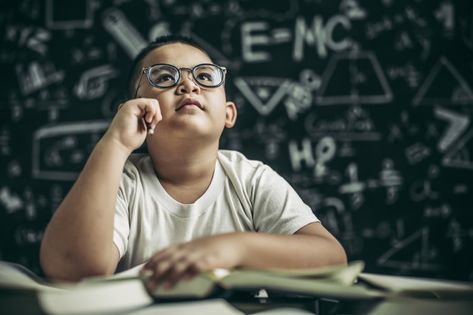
x=186 y=207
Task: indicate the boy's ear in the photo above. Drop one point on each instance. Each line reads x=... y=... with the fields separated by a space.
x=230 y=114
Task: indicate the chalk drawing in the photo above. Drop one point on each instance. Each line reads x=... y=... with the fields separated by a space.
x=444 y=85
x=354 y=78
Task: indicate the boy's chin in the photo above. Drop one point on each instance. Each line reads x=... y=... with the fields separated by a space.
x=188 y=133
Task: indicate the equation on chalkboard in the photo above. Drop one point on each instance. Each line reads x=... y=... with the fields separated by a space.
x=365 y=107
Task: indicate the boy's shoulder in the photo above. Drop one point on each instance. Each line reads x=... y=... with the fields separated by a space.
x=234 y=162
x=237 y=158
x=137 y=163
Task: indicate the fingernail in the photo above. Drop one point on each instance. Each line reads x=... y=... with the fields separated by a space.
x=155 y=102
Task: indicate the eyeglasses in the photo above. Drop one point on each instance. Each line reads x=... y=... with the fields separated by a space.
x=164 y=75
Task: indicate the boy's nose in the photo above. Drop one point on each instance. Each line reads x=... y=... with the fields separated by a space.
x=187 y=83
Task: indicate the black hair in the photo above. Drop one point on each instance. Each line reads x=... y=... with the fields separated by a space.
x=136 y=65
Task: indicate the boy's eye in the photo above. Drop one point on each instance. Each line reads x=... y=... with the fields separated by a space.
x=205 y=76
x=163 y=75
x=164 y=78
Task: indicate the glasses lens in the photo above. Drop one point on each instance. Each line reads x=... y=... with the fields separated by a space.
x=208 y=75
x=163 y=75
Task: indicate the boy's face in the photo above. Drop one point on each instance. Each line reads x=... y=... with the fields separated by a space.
x=209 y=112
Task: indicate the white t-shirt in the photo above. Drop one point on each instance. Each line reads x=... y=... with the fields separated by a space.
x=244 y=195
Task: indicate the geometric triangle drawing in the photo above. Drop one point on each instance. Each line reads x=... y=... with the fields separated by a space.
x=460 y=155
x=444 y=85
x=457 y=124
x=263 y=93
x=354 y=78
x=411 y=253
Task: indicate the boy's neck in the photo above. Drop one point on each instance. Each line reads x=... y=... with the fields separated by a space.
x=185 y=172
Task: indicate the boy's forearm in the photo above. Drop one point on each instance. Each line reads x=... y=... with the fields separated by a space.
x=262 y=250
x=312 y=246
x=78 y=240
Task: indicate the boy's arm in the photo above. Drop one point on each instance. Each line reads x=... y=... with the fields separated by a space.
x=78 y=240
x=311 y=246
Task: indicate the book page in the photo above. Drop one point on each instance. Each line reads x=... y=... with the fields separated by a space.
x=96 y=297
x=92 y=296
x=199 y=286
x=132 y=273
x=14 y=278
x=343 y=274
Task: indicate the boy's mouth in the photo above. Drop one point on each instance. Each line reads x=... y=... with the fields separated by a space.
x=189 y=102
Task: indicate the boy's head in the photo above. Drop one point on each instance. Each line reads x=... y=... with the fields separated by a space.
x=137 y=64
x=188 y=86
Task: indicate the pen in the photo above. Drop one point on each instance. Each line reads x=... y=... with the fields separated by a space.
x=150 y=129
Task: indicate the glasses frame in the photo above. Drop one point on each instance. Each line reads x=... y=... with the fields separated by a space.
x=146 y=70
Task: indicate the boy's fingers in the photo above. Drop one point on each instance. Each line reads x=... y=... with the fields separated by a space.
x=149 y=117
x=159 y=256
x=157 y=117
x=156 y=120
x=148 y=107
x=175 y=274
x=156 y=276
x=152 y=115
x=161 y=270
x=150 y=110
x=189 y=274
x=163 y=267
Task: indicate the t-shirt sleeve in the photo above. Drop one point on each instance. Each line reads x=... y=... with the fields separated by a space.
x=277 y=208
x=121 y=227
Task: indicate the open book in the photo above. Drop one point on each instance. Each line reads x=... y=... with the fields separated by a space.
x=331 y=281
x=126 y=290
x=334 y=281
x=22 y=292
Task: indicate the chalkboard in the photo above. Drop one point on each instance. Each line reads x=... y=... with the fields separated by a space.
x=365 y=107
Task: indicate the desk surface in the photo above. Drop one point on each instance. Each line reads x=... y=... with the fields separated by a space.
x=11 y=303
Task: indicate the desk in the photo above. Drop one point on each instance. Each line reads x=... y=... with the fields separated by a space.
x=25 y=302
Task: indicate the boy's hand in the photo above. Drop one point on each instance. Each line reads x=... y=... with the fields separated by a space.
x=183 y=261
x=129 y=126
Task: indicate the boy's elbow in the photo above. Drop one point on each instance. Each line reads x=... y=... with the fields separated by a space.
x=73 y=273
x=337 y=255
x=66 y=267
x=341 y=256
x=70 y=273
